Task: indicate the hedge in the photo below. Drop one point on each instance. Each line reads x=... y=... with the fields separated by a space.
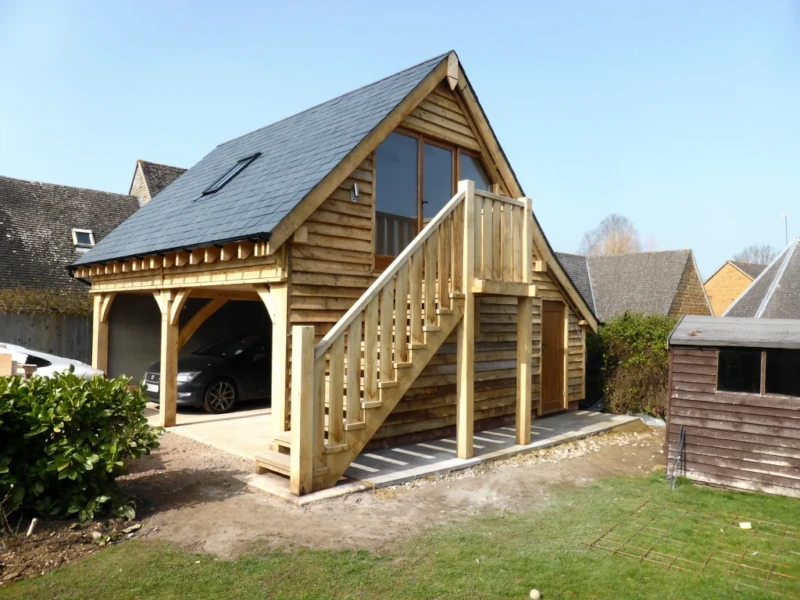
x=635 y=363
x=64 y=442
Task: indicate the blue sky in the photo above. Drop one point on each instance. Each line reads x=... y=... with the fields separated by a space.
x=682 y=116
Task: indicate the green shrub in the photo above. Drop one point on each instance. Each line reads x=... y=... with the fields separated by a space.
x=636 y=363
x=64 y=441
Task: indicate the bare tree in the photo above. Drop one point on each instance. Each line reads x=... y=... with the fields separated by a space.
x=615 y=235
x=760 y=254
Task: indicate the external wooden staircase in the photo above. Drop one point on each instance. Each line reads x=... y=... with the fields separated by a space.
x=343 y=388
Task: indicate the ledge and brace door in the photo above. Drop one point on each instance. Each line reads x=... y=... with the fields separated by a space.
x=552 y=394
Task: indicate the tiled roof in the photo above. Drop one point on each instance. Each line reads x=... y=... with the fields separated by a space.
x=642 y=282
x=36 y=222
x=159 y=176
x=751 y=269
x=296 y=154
x=577 y=269
x=775 y=294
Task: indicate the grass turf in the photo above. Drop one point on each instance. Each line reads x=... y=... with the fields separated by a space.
x=503 y=555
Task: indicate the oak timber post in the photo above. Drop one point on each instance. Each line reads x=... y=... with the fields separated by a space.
x=524 y=332
x=170 y=302
x=302 y=435
x=276 y=299
x=465 y=333
x=101 y=307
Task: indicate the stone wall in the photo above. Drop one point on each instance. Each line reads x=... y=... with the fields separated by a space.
x=725 y=286
x=690 y=299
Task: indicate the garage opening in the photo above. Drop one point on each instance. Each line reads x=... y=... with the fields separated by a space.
x=224 y=365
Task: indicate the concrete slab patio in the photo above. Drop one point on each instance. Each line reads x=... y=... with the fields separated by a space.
x=394 y=466
x=244 y=432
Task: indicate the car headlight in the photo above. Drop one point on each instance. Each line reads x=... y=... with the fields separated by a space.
x=188 y=376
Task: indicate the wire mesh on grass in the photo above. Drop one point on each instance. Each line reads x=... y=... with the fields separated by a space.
x=765 y=557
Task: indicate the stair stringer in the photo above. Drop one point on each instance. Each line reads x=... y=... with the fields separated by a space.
x=374 y=417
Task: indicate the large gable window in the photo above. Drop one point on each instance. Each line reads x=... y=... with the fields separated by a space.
x=240 y=166
x=415 y=176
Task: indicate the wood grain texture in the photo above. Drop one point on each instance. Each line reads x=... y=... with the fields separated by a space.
x=741 y=440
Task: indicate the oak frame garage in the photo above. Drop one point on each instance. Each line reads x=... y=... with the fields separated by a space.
x=444 y=336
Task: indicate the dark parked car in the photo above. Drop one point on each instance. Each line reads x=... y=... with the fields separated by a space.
x=219 y=376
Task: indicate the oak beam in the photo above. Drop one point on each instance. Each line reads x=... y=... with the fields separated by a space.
x=276 y=299
x=101 y=307
x=524 y=374
x=198 y=318
x=465 y=335
x=168 y=382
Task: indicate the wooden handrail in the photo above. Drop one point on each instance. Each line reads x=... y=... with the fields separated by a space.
x=513 y=201
x=386 y=277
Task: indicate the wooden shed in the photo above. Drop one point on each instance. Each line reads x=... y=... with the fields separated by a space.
x=410 y=289
x=734 y=403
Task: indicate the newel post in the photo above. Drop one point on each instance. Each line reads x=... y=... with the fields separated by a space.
x=524 y=332
x=465 y=333
x=301 y=463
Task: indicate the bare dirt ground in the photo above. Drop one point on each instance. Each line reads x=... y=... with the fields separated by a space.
x=187 y=495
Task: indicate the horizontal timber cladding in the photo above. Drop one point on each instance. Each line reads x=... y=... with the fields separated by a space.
x=429 y=406
x=738 y=440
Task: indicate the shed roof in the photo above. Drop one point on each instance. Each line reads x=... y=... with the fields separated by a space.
x=296 y=154
x=694 y=330
x=775 y=293
x=36 y=222
x=642 y=282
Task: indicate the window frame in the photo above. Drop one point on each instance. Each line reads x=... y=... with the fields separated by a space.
x=382 y=260
x=762 y=384
x=76 y=243
x=231 y=174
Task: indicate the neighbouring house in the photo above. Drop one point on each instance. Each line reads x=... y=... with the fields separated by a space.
x=729 y=281
x=44 y=228
x=409 y=288
x=657 y=283
x=734 y=396
x=150 y=178
x=775 y=293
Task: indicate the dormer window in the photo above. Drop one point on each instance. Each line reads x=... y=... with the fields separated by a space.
x=230 y=174
x=83 y=238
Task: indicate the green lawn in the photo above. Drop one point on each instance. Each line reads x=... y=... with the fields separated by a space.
x=496 y=556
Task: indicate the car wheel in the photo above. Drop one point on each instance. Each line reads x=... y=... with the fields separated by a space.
x=220 y=397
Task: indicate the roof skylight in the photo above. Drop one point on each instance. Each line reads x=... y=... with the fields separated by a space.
x=230 y=174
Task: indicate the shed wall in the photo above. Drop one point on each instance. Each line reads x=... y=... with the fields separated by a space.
x=745 y=441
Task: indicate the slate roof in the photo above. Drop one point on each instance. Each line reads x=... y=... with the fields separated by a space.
x=642 y=282
x=36 y=222
x=693 y=330
x=158 y=176
x=577 y=269
x=296 y=154
x=753 y=270
x=775 y=293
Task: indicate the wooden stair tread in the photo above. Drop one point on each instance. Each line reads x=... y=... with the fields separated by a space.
x=384 y=385
x=403 y=365
x=431 y=328
x=372 y=404
x=356 y=425
x=273 y=461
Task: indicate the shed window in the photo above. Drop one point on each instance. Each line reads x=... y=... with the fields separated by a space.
x=230 y=174
x=783 y=372
x=739 y=371
x=83 y=238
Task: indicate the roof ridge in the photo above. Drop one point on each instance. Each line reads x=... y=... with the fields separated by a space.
x=61 y=185
x=788 y=252
x=353 y=91
x=150 y=162
x=756 y=280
